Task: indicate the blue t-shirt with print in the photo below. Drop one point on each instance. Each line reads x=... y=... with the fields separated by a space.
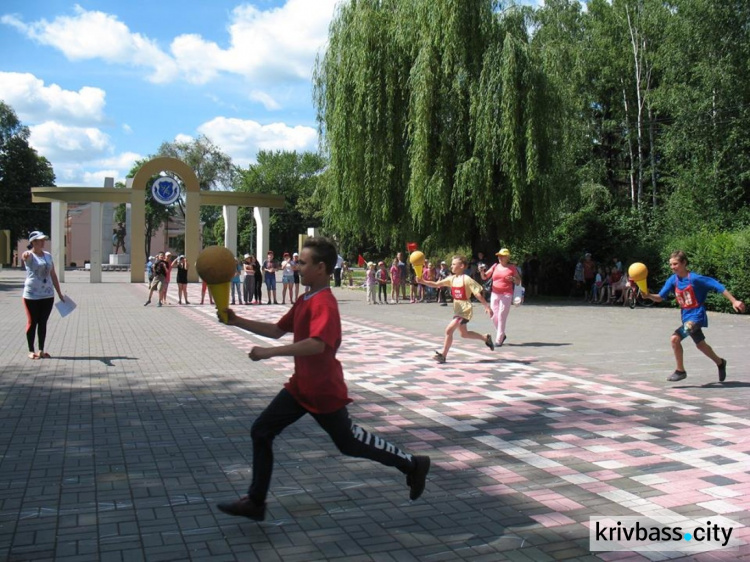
x=691 y=293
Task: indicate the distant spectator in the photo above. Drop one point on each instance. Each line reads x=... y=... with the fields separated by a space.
x=589 y=275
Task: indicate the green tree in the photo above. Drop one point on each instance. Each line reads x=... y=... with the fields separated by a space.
x=706 y=96
x=21 y=168
x=296 y=177
x=419 y=104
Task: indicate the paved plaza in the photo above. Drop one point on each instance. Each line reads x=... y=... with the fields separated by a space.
x=119 y=446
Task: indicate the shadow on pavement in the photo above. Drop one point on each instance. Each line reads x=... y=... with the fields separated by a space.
x=106 y=360
x=536 y=344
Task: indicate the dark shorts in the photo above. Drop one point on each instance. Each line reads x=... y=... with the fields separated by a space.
x=696 y=333
x=463 y=320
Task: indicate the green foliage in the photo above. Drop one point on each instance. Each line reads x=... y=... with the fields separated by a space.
x=21 y=168
x=722 y=255
x=296 y=177
x=414 y=104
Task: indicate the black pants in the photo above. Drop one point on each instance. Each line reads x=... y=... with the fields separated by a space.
x=37 y=314
x=382 y=292
x=258 y=291
x=337 y=276
x=248 y=288
x=350 y=439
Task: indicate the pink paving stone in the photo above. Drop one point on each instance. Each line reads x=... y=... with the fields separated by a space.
x=453 y=466
x=499 y=431
x=553 y=500
x=497 y=490
x=621 y=556
x=672 y=500
x=552 y=519
x=560 y=470
x=461 y=454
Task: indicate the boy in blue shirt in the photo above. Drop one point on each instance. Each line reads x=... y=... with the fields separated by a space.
x=690 y=290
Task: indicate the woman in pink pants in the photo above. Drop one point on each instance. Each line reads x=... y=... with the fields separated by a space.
x=504 y=275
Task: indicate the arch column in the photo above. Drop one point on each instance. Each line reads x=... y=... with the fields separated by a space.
x=57 y=237
x=230 y=228
x=263 y=230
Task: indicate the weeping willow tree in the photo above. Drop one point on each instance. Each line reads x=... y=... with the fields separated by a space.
x=436 y=121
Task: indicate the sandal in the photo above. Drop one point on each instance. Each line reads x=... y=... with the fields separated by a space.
x=44 y=355
x=33 y=355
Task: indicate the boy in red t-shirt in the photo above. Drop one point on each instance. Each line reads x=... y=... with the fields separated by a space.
x=316 y=387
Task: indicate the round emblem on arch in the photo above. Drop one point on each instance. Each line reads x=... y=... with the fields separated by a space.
x=165 y=190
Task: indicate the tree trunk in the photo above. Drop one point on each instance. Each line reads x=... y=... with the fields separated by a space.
x=633 y=200
x=652 y=154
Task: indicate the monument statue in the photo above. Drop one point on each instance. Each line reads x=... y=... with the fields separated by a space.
x=118 y=238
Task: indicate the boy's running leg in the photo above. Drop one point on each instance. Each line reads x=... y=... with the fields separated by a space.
x=721 y=364
x=283 y=411
x=355 y=441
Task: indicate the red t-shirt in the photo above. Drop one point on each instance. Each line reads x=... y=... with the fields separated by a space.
x=318 y=380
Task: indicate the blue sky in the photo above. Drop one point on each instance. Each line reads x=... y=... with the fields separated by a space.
x=102 y=83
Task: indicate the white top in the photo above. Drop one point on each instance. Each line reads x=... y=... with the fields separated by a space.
x=38 y=283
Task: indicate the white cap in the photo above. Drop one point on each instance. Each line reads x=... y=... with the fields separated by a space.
x=37 y=235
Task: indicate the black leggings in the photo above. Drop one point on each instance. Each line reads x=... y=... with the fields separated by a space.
x=350 y=439
x=37 y=314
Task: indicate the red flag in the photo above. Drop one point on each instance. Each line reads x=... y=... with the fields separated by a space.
x=411 y=247
x=361 y=261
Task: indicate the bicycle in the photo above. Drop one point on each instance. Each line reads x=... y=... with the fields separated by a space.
x=635 y=296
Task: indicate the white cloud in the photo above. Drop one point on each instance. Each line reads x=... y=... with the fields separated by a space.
x=61 y=143
x=35 y=102
x=268 y=102
x=264 y=46
x=242 y=139
x=92 y=35
x=182 y=138
x=127 y=129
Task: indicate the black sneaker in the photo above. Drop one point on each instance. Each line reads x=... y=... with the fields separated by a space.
x=439 y=357
x=245 y=507
x=677 y=376
x=146 y=303
x=417 y=478
x=488 y=342
x=723 y=370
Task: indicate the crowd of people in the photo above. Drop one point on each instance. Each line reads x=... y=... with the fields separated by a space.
x=602 y=283
x=247 y=284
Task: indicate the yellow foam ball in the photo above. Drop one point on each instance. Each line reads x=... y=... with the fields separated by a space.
x=416 y=258
x=215 y=264
x=638 y=271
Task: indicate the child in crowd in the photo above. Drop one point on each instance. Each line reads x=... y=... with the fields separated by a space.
x=395 y=281
x=462 y=287
x=236 y=280
x=316 y=387
x=370 y=282
x=382 y=277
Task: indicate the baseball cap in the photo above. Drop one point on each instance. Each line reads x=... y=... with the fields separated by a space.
x=247 y=256
x=503 y=252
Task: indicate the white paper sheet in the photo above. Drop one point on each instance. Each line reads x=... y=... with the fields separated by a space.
x=65 y=307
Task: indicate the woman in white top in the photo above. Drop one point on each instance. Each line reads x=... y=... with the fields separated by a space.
x=38 y=291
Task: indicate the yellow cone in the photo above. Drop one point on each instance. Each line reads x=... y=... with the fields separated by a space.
x=642 y=286
x=220 y=293
x=418 y=271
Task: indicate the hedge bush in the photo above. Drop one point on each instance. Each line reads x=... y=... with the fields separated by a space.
x=722 y=255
